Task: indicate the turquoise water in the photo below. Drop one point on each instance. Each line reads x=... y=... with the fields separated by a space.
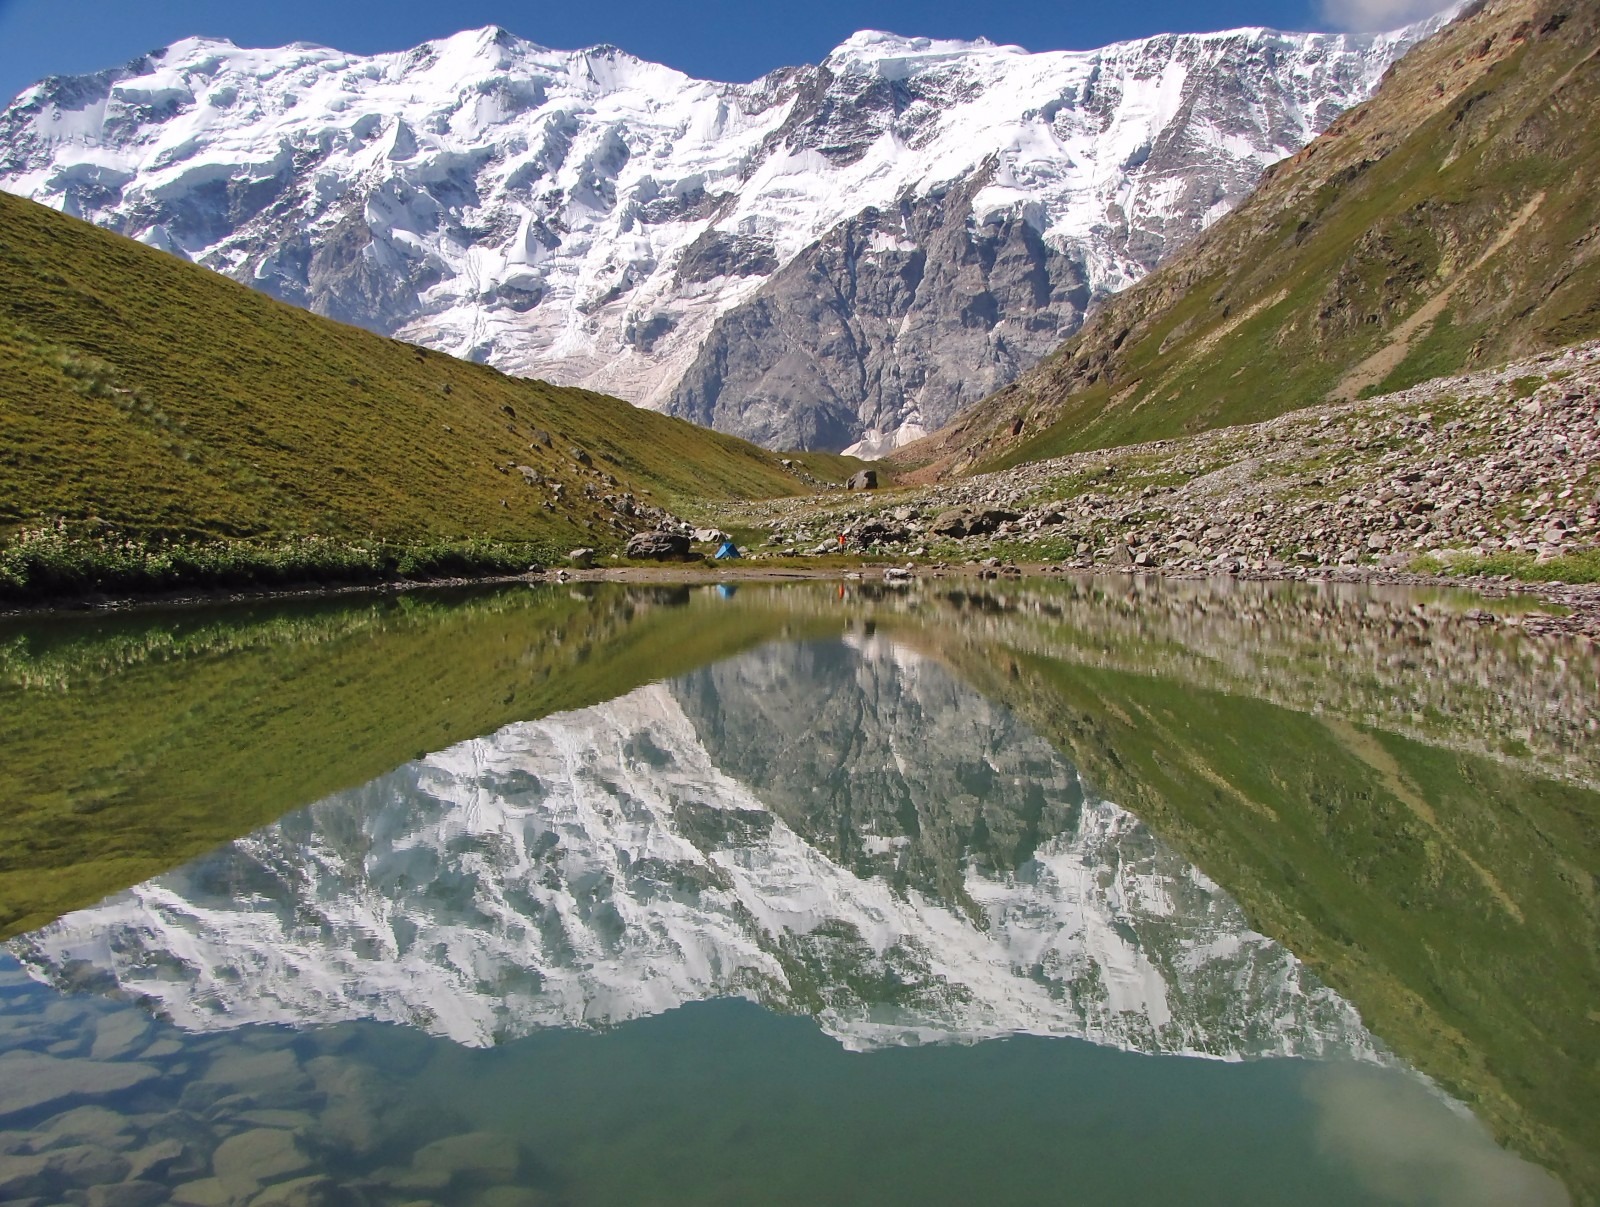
x=827 y=918
x=725 y=1102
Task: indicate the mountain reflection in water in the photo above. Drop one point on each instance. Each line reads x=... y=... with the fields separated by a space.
x=908 y=820
x=835 y=829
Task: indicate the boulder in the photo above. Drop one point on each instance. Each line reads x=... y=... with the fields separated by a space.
x=479 y=1156
x=32 y=1079
x=244 y=1162
x=658 y=545
x=581 y=558
x=988 y=519
x=951 y=523
x=863 y=479
x=315 y=1191
x=128 y=1194
x=875 y=532
x=119 y=1034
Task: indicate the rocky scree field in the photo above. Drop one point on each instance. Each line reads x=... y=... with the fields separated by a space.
x=1493 y=473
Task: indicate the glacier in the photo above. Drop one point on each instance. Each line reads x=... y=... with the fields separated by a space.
x=837 y=254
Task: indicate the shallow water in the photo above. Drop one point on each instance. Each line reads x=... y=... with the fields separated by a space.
x=1047 y=894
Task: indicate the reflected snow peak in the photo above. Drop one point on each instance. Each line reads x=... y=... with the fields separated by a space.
x=839 y=829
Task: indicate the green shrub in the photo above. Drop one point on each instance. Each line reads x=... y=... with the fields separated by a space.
x=53 y=562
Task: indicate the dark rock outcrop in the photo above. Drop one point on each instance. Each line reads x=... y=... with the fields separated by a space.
x=662 y=546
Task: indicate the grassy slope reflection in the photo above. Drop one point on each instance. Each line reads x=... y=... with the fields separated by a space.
x=1450 y=896
x=130 y=745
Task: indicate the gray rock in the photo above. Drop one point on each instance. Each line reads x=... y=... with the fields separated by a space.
x=127 y=1194
x=23 y=1174
x=863 y=479
x=952 y=523
x=32 y=1079
x=509 y=1196
x=658 y=545
x=245 y=1162
x=582 y=558
x=156 y=1159
x=942 y=313
x=84 y=1165
x=89 y=1124
x=119 y=1033
x=477 y=1156
x=315 y=1191
x=203 y=1192
x=257 y=1073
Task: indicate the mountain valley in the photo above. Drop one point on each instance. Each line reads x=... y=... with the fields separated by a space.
x=835 y=255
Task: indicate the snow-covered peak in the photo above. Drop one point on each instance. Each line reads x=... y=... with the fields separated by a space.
x=593 y=218
x=875 y=52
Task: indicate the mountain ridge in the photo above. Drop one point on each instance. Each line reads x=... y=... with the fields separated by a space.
x=1445 y=225
x=593 y=218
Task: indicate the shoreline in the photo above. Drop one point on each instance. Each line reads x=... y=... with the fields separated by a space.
x=1580 y=602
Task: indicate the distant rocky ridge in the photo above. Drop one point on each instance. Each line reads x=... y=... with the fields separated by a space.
x=1444 y=226
x=948 y=881
x=839 y=254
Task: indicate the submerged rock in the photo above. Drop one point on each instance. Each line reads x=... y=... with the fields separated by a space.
x=245 y=1162
x=480 y=1156
x=32 y=1079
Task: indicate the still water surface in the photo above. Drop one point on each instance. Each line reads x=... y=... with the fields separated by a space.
x=1050 y=894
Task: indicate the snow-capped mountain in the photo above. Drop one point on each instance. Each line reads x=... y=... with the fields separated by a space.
x=945 y=878
x=841 y=252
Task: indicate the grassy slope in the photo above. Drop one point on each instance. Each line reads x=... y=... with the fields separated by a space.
x=164 y=399
x=1394 y=207
x=186 y=731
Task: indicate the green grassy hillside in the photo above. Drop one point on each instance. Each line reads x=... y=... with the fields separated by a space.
x=159 y=399
x=1445 y=225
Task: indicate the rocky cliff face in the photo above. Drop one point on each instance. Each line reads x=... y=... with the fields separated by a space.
x=839 y=253
x=1445 y=225
x=836 y=830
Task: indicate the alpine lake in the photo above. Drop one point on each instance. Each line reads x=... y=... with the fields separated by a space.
x=1107 y=890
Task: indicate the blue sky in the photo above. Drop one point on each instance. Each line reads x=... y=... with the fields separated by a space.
x=718 y=39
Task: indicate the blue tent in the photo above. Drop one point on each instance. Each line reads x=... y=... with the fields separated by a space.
x=727 y=550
